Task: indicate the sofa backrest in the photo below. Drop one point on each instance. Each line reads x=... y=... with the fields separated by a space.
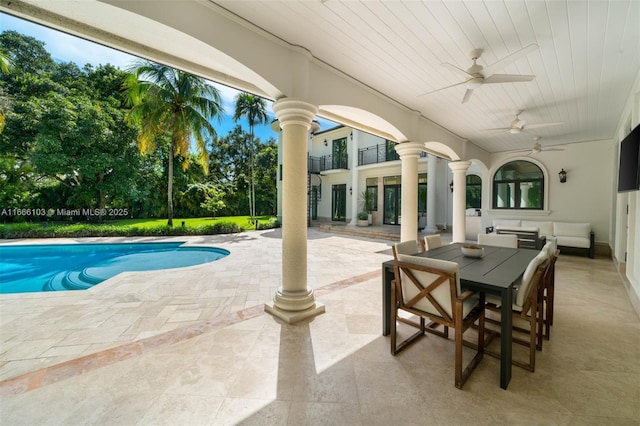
x=544 y=228
x=507 y=222
x=568 y=229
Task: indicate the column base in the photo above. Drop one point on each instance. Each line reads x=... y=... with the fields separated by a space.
x=294 y=306
x=292 y=317
x=430 y=230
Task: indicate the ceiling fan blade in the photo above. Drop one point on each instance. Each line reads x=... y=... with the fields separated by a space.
x=467 y=95
x=539 y=125
x=552 y=149
x=503 y=129
x=507 y=78
x=442 y=88
x=456 y=69
x=493 y=68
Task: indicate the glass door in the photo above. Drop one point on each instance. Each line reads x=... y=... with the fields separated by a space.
x=339 y=203
x=392 y=201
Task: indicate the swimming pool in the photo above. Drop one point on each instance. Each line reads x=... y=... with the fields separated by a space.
x=56 y=267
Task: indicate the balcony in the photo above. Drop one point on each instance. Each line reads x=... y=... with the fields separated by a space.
x=328 y=162
x=379 y=154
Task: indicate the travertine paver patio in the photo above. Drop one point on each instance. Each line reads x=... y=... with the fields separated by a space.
x=248 y=367
x=41 y=329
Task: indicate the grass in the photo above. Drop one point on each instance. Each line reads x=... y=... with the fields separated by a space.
x=136 y=227
x=242 y=221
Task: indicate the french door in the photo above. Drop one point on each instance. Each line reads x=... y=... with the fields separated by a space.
x=392 y=201
x=339 y=203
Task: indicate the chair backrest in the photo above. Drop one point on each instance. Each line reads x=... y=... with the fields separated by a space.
x=527 y=278
x=498 y=240
x=536 y=287
x=405 y=247
x=432 y=241
x=428 y=285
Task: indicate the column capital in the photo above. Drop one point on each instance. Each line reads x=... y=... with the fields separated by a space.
x=457 y=166
x=294 y=111
x=409 y=149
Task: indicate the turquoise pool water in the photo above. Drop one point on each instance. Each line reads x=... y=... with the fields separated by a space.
x=55 y=267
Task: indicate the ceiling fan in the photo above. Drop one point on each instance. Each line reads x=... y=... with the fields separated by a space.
x=476 y=75
x=519 y=125
x=537 y=148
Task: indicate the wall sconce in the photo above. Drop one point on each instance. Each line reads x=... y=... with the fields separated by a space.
x=325 y=142
x=563 y=176
x=351 y=135
x=451 y=186
x=350 y=191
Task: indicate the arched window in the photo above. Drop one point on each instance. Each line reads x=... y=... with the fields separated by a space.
x=474 y=192
x=518 y=185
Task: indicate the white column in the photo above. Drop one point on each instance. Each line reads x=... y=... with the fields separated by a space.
x=409 y=153
x=294 y=300
x=431 y=227
x=355 y=196
x=459 y=169
x=275 y=126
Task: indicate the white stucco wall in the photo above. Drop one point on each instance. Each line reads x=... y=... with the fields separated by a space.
x=586 y=195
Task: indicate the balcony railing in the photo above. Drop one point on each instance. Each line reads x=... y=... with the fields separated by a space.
x=328 y=162
x=378 y=154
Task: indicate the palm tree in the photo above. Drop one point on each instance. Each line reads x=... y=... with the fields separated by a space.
x=254 y=109
x=166 y=101
x=5 y=67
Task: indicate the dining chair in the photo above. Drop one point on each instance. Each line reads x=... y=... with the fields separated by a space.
x=498 y=240
x=432 y=241
x=548 y=293
x=526 y=310
x=406 y=247
x=430 y=289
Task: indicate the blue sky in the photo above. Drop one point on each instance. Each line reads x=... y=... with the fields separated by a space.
x=66 y=48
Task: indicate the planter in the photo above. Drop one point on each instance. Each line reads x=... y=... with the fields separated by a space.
x=370 y=218
x=363 y=222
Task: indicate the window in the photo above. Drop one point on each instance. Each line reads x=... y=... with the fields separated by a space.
x=339 y=150
x=391 y=153
x=422 y=193
x=518 y=185
x=474 y=192
x=372 y=188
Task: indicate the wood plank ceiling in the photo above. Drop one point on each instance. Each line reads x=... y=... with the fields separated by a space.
x=586 y=64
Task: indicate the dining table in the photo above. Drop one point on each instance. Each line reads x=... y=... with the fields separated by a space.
x=495 y=272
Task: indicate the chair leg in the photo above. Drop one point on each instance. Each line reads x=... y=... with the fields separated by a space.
x=395 y=347
x=548 y=311
x=540 y=325
x=532 y=339
x=394 y=316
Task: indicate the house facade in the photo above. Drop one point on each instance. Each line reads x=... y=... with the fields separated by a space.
x=345 y=162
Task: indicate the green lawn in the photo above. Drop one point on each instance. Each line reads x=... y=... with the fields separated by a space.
x=193 y=222
x=136 y=227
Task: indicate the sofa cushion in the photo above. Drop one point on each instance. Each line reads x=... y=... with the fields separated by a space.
x=579 y=242
x=507 y=222
x=545 y=228
x=566 y=229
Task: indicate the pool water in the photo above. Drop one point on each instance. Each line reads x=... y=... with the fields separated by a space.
x=56 y=267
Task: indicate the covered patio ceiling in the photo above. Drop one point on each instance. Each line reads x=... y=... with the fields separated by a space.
x=585 y=65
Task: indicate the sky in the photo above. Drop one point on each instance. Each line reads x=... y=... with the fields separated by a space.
x=67 y=48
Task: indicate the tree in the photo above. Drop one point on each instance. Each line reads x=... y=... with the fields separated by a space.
x=5 y=66
x=254 y=109
x=164 y=100
x=84 y=145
